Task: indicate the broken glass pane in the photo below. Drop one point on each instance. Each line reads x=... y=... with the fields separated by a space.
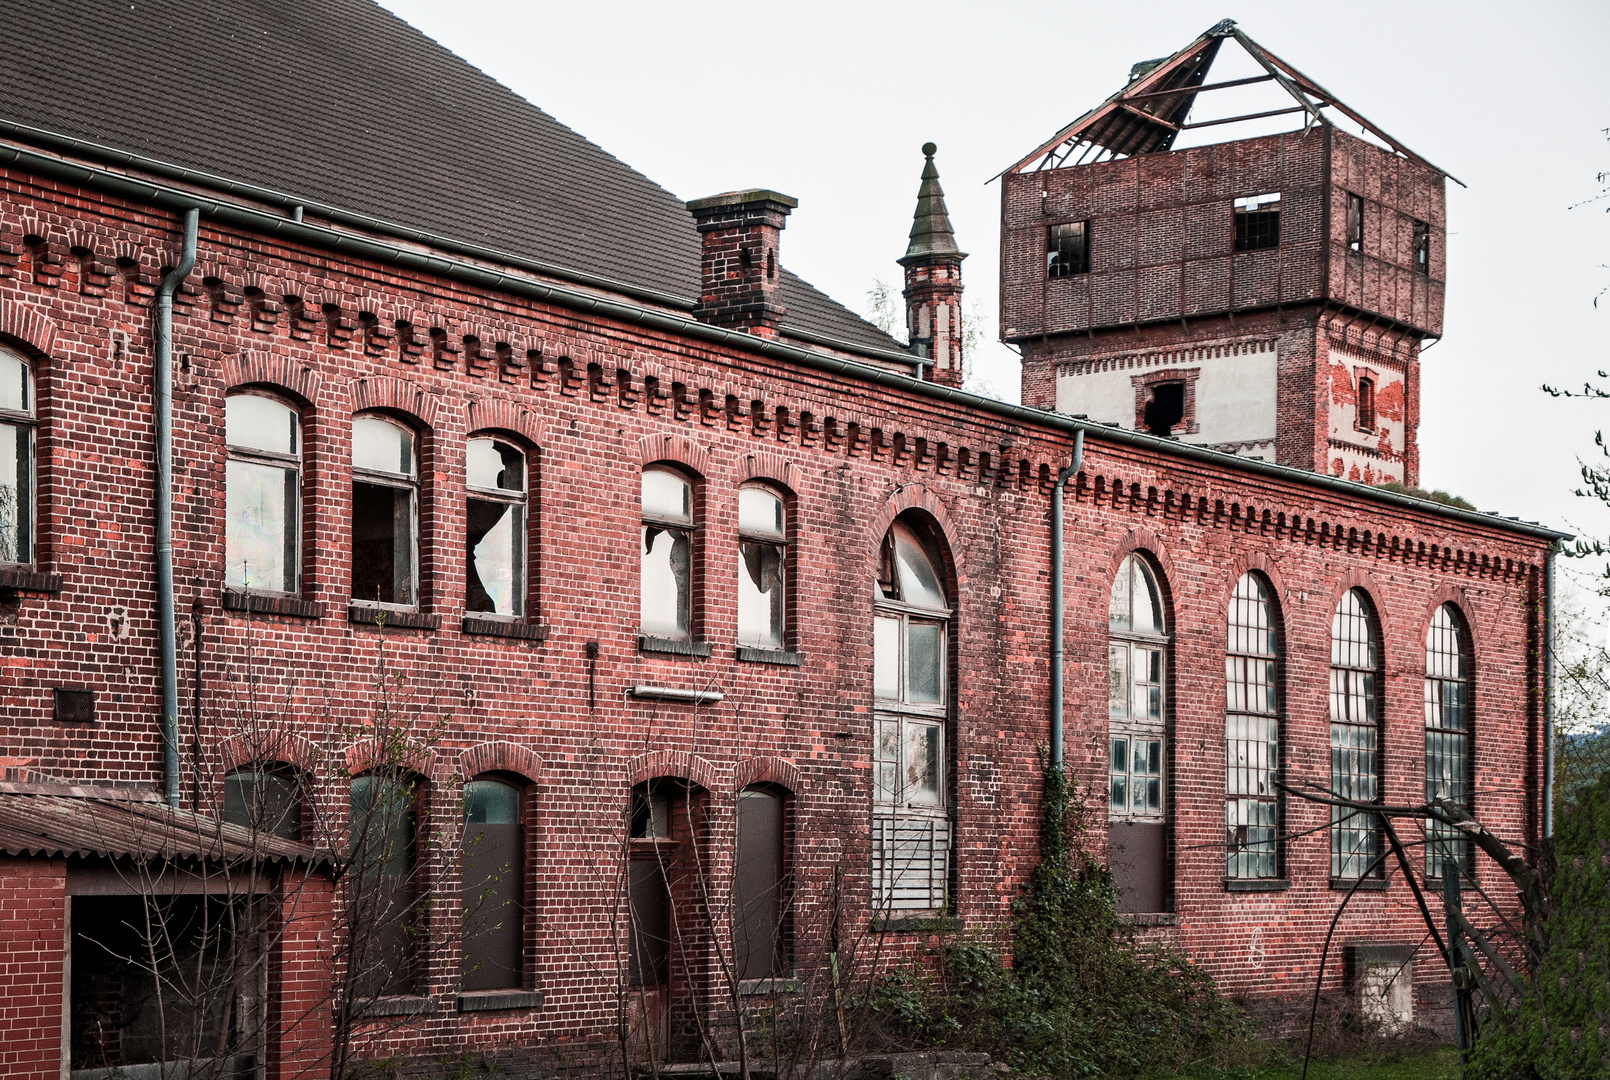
x=760 y=595
x=666 y=555
x=495 y=574
x=494 y=465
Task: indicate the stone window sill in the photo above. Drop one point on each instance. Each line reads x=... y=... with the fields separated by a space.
x=409 y=1005
x=506 y=628
x=777 y=984
x=1148 y=918
x=769 y=656
x=390 y=617
x=271 y=604
x=672 y=646
x=492 y=1000
x=19 y=579
x=1367 y=885
x=917 y=922
x=1256 y=884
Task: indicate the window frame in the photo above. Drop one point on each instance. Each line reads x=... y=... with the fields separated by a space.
x=517 y=901
x=27 y=420
x=1250 y=222
x=1420 y=247
x=520 y=499
x=1364 y=418
x=415 y=950
x=691 y=527
x=1440 y=837
x=1341 y=860
x=414 y=484
x=1055 y=266
x=1355 y=222
x=784 y=545
x=300 y=790
x=1243 y=868
x=1128 y=726
x=254 y=456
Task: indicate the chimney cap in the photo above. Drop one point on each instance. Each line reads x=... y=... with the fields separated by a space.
x=743 y=198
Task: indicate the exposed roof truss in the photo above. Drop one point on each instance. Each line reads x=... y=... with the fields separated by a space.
x=1154 y=107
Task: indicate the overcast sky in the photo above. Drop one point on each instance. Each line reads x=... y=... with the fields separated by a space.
x=830 y=102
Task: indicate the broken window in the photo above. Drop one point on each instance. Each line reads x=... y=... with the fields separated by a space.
x=494 y=907
x=1355 y=222
x=667 y=554
x=910 y=692
x=267 y=801
x=1166 y=409
x=1251 y=733
x=1068 y=250
x=16 y=459
x=1354 y=737
x=1366 y=403
x=648 y=890
x=1137 y=750
x=762 y=551
x=385 y=512
x=383 y=886
x=1422 y=247
x=262 y=494
x=1448 y=760
x=1257 y=222
x=495 y=527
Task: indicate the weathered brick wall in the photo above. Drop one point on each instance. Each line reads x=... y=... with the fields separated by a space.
x=600 y=400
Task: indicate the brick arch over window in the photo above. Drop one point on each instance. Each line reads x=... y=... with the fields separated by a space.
x=767 y=770
x=1461 y=600
x=498 y=414
x=500 y=756
x=912 y=497
x=27 y=325
x=773 y=467
x=360 y=758
x=678 y=763
x=674 y=449
x=271 y=370
x=281 y=747
x=396 y=395
x=1261 y=564
x=1150 y=546
x=1363 y=580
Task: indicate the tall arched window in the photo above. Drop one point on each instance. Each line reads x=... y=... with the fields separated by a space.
x=666 y=549
x=1448 y=761
x=16 y=459
x=1251 y=734
x=266 y=800
x=1354 y=736
x=385 y=512
x=262 y=494
x=762 y=562
x=1137 y=667
x=910 y=688
x=495 y=527
x=383 y=885
x=493 y=886
x=760 y=897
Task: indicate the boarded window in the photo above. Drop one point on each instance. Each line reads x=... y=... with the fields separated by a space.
x=266 y=801
x=1366 y=403
x=759 y=897
x=1257 y=222
x=648 y=886
x=494 y=908
x=383 y=885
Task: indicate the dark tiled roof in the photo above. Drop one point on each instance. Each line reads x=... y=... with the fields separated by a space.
x=342 y=103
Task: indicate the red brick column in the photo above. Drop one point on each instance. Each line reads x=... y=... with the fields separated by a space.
x=33 y=933
x=302 y=981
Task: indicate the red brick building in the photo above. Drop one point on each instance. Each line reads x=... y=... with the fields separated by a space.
x=438 y=366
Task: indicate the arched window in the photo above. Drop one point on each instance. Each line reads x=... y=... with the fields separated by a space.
x=262 y=494
x=495 y=527
x=1251 y=734
x=385 y=513
x=493 y=887
x=16 y=460
x=1137 y=667
x=652 y=856
x=265 y=800
x=383 y=885
x=910 y=688
x=1354 y=736
x=667 y=554
x=1448 y=760
x=762 y=562
x=760 y=889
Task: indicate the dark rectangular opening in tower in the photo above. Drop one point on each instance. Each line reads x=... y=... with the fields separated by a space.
x=1068 y=250
x=1166 y=409
x=1422 y=248
x=1355 y=222
x=1257 y=222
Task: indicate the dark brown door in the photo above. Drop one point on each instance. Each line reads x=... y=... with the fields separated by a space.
x=758 y=902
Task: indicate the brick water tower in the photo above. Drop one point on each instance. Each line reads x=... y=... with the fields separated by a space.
x=1267 y=296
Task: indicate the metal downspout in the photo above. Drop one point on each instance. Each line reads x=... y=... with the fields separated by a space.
x=1056 y=596
x=162 y=380
x=1548 y=692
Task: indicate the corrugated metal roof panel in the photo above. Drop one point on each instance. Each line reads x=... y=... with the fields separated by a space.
x=55 y=825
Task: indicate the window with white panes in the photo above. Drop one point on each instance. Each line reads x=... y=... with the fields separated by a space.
x=1137 y=664
x=1355 y=840
x=495 y=527
x=1251 y=733
x=1448 y=760
x=910 y=680
x=262 y=494
x=762 y=567
x=385 y=513
x=666 y=553
x=17 y=419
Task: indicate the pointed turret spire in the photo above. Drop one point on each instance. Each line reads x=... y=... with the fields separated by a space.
x=931 y=233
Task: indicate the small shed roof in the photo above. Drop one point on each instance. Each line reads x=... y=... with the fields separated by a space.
x=64 y=825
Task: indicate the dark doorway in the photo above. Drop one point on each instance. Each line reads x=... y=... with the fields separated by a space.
x=1166 y=408
x=760 y=910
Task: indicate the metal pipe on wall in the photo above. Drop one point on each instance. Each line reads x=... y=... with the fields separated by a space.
x=1056 y=595
x=162 y=390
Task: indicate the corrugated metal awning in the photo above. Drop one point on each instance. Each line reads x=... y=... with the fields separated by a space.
x=62 y=825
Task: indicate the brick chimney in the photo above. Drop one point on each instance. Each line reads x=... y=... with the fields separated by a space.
x=933 y=266
x=739 y=277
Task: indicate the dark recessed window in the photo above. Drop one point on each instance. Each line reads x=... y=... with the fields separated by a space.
x=385 y=512
x=265 y=801
x=1068 y=249
x=1166 y=408
x=74 y=706
x=16 y=460
x=1422 y=248
x=1355 y=222
x=1366 y=404
x=1257 y=222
